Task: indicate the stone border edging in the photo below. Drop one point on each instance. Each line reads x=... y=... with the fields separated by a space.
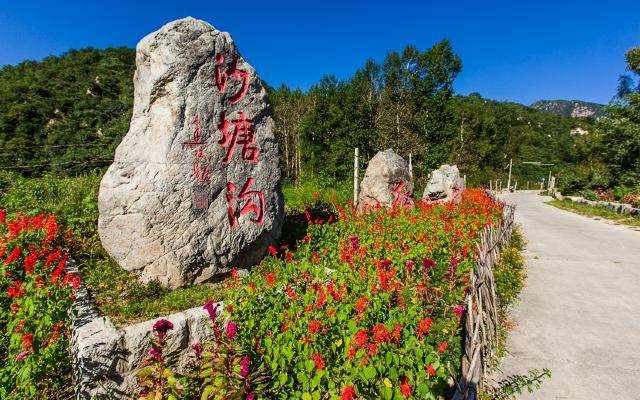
x=620 y=208
x=106 y=358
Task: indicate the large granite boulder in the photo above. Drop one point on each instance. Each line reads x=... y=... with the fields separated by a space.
x=387 y=182
x=445 y=185
x=194 y=186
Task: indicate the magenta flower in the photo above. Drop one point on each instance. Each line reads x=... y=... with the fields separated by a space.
x=212 y=309
x=409 y=265
x=161 y=327
x=156 y=354
x=428 y=263
x=355 y=242
x=232 y=329
x=454 y=262
x=250 y=396
x=22 y=356
x=197 y=349
x=244 y=366
x=459 y=310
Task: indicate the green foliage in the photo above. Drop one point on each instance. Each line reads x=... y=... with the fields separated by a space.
x=509 y=272
x=513 y=385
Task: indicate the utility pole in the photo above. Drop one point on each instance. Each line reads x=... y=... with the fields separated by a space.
x=356 y=181
x=509 y=180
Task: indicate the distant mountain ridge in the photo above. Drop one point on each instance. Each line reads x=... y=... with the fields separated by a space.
x=570 y=108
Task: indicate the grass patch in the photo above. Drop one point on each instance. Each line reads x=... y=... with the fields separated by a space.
x=595 y=211
x=117 y=292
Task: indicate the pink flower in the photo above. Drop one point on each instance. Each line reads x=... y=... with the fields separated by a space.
x=459 y=310
x=22 y=356
x=212 y=309
x=244 y=366
x=232 y=329
x=250 y=396
x=409 y=265
x=355 y=242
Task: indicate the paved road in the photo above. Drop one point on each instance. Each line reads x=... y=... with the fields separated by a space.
x=580 y=310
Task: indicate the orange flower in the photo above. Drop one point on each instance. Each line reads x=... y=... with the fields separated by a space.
x=362 y=304
x=430 y=370
x=423 y=327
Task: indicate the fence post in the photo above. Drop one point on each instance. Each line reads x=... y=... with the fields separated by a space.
x=356 y=181
x=410 y=167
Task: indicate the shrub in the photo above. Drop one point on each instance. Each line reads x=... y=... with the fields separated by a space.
x=367 y=307
x=35 y=294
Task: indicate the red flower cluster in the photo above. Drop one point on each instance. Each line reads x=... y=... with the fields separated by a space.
x=318 y=361
x=424 y=325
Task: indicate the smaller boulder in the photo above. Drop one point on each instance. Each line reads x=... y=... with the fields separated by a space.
x=387 y=182
x=445 y=185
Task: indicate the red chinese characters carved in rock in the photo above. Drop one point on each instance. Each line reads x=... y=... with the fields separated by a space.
x=242 y=134
x=201 y=171
x=400 y=197
x=245 y=202
x=222 y=75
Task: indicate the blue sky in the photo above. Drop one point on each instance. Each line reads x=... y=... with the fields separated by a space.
x=511 y=50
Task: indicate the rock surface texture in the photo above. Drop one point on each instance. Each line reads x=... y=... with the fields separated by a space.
x=445 y=184
x=194 y=187
x=387 y=182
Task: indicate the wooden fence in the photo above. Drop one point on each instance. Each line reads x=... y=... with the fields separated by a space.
x=482 y=324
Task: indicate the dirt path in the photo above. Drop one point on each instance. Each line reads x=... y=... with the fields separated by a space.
x=580 y=310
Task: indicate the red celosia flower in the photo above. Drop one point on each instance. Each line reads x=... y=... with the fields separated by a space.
x=430 y=370
x=459 y=310
x=362 y=304
x=14 y=255
x=234 y=273
x=52 y=257
x=373 y=349
x=405 y=388
x=442 y=347
x=397 y=333
x=271 y=278
x=380 y=333
x=72 y=279
x=291 y=293
x=232 y=328
x=3 y=216
x=27 y=342
x=321 y=300
x=361 y=338
x=423 y=326
x=351 y=352
x=348 y=393
x=273 y=250
x=30 y=262
x=244 y=366
x=318 y=361
x=315 y=326
x=15 y=289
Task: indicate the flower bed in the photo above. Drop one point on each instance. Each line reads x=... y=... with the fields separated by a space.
x=35 y=294
x=369 y=306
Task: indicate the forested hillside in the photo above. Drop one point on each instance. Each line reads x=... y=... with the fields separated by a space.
x=66 y=114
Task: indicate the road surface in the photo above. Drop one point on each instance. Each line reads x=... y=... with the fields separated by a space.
x=579 y=313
